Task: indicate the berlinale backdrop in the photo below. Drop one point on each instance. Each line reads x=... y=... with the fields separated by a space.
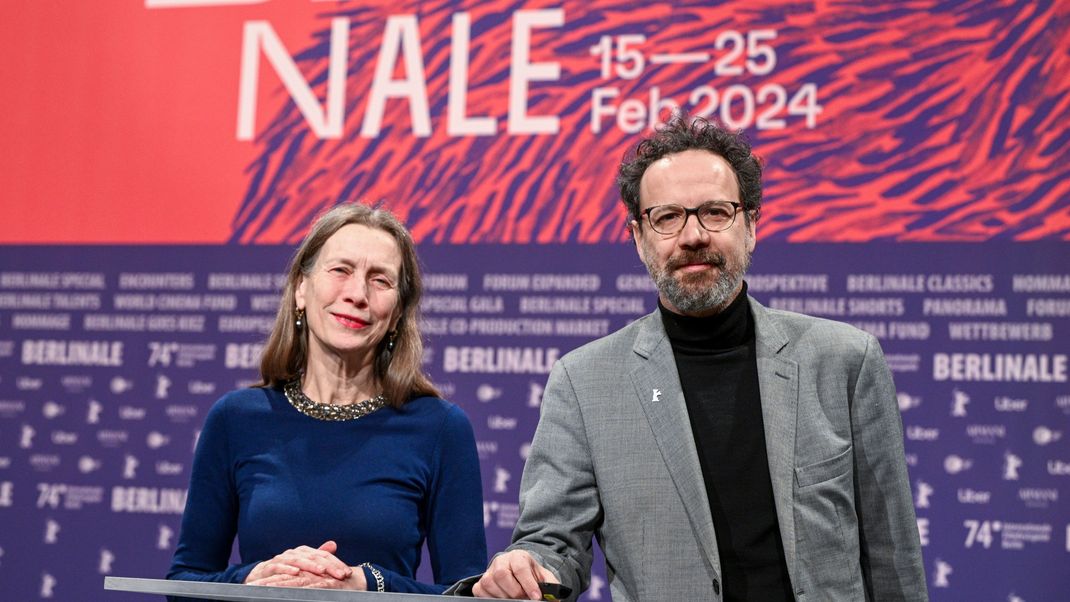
x=160 y=158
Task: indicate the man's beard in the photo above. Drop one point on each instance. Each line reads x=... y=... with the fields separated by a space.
x=693 y=293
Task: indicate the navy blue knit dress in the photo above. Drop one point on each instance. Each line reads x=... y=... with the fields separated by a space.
x=379 y=486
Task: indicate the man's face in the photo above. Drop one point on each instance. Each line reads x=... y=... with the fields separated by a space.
x=697 y=272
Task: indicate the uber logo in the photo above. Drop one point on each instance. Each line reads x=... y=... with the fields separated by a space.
x=501 y=423
x=1010 y=404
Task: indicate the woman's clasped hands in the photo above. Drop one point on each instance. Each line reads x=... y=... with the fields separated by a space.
x=308 y=567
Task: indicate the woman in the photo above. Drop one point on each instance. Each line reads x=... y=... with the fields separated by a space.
x=343 y=461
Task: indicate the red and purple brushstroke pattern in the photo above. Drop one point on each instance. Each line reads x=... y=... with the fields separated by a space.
x=941 y=121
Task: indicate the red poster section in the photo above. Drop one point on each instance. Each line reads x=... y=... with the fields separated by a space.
x=118 y=119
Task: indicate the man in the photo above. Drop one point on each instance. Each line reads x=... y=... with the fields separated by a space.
x=719 y=450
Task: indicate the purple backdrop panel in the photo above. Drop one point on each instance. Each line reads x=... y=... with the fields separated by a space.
x=109 y=359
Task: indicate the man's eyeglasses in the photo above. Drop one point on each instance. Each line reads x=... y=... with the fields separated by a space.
x=714 y=216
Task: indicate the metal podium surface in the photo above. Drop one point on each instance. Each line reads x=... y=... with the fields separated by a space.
x=236 y=592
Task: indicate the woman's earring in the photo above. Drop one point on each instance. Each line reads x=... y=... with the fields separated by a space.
x=299 y=322
x=391 y=341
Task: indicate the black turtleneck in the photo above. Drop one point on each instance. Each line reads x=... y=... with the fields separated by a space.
x=715 y=357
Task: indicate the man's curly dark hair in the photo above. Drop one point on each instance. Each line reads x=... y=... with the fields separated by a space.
x=683 y=133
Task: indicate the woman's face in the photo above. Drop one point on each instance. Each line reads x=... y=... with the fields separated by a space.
x=351 y=297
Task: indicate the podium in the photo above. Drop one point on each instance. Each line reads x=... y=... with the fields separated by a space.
x=236 y=592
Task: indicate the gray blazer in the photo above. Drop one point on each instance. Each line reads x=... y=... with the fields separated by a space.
x=613 y=456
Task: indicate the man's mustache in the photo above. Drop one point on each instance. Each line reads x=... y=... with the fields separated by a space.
x=717 y=260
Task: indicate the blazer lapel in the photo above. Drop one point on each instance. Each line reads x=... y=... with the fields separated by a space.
x=657 y=383
x=778 y=383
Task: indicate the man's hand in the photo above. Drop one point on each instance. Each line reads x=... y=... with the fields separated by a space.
x=514 y=575
x=303 y=564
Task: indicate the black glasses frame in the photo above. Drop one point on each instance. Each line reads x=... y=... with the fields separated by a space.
x=688 y=212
